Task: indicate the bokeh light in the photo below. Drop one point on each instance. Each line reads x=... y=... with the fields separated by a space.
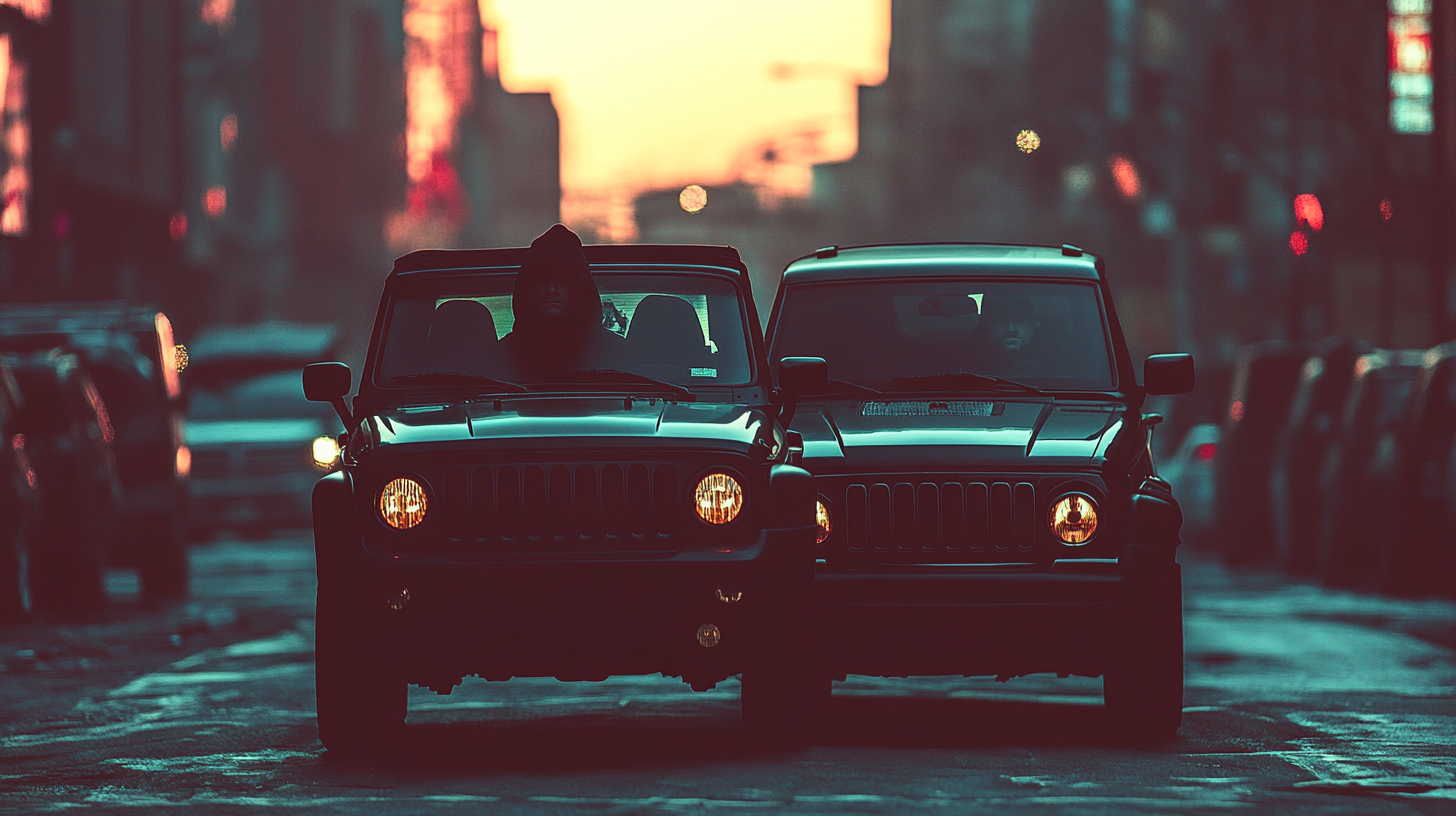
x=1307 y=210
x=1298 y=242
x=1125 y=175
x=215 y=201
x=177 y=225
x=1387 y=209
x=693 y=198
x=228 y=132
x=1027 y=141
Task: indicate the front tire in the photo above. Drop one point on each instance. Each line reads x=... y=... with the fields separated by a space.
x=361 y=699
x=1143 y=687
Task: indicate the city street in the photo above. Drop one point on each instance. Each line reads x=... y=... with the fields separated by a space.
x=1300 y=700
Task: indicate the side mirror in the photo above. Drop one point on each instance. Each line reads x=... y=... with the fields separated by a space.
x=799 y=376
x=1168 y=374
x=329 y=382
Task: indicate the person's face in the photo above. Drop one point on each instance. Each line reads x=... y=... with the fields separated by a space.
x=553 y=296
x=1013 y=335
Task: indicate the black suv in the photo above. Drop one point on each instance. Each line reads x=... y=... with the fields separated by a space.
x=988 y=503
x=517 y=500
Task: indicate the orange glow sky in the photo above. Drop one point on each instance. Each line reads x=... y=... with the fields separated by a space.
x=664 y=93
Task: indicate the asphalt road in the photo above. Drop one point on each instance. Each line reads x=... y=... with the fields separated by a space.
x=1300 y=700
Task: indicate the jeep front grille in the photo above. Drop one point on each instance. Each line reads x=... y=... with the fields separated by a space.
x=929 y=520
x=629 y=506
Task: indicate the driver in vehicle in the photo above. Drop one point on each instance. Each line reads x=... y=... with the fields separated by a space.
x=1008 y=326
x=558 y=311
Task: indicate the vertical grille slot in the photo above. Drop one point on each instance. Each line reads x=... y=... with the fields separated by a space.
x=639 y=502
x=482 y=504
x=457 y=504
x=953 y=517
x=1024 y=521
x=664 y=499
x=508 y=503
x=857 y=526
x=978 y=517
x=534 y=494
x=927 y=517
x=614 y=502
x=904 y=517
x=1001 y=516
x=585 y=501
x=559 y=502
x=880 y=518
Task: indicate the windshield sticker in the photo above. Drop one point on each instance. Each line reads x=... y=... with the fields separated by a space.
x=931 y=408
x=704 y=372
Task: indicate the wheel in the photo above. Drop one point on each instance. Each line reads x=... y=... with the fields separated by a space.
x=361 y=699
x=66 y=566
x=1142 y=689
x=15 y=603
x=164 y=567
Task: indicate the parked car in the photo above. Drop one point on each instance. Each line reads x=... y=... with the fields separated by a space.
x=1408 y=473
x=590 y=504
x=19 y=504
x=258 y=445
x=131 y=354
x=68 y=441
x=988 y=503
x=1382 y=386
x=1265 y=379
x=1300 y=451
x=1192 y=470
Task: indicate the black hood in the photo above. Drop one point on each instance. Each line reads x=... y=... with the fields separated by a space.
x=555 y=254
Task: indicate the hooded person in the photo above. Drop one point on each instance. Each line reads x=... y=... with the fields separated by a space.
x=1008 y=329
x=558 y=310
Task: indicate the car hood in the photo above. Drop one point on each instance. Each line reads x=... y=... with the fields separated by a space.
x=937 y=433
x=211 y=432
x=610 y=422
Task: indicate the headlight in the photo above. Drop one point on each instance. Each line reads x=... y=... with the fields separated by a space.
x=1074 y=519
x=325 y=451
x=718 y=498
x=821 y=517
x=402 y=503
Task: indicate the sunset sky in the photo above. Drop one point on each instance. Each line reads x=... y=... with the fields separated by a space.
x=663 y=93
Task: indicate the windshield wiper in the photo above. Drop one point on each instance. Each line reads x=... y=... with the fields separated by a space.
x=461 y=378
x=617 y=375
x=970 y=381
x=846 y=385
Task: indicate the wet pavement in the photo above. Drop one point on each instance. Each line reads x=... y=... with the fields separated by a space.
x=1300 y=700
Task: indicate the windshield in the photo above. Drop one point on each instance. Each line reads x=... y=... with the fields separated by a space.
x=276 y=395
x=683 y=330
x=903 y=334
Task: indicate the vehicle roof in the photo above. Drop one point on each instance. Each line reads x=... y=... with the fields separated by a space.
x=276 y=340
x=959 y=259
x=446 y=260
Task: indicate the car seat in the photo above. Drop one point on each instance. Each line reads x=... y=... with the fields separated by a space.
x=665 y=330
x=462 y=338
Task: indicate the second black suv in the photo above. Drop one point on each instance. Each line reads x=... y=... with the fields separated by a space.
x=988 y=503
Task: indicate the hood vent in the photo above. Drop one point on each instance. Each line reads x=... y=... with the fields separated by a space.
x=932 y=408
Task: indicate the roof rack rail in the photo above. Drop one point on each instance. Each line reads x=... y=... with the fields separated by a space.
x=827 y=252
x=1072 y=251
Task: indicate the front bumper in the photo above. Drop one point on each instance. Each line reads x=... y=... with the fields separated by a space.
x=973 y=620
x=582 y=619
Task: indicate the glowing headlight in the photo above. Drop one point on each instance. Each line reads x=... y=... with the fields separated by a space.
x=1074 y=519
x=325 y=451
x=718 y=498
x=821 y=517
x=402 y=503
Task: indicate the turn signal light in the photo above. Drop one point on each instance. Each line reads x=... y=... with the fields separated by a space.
x=1074 y=519
x=402 y=503
x=718 y=498
x=325 y=451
